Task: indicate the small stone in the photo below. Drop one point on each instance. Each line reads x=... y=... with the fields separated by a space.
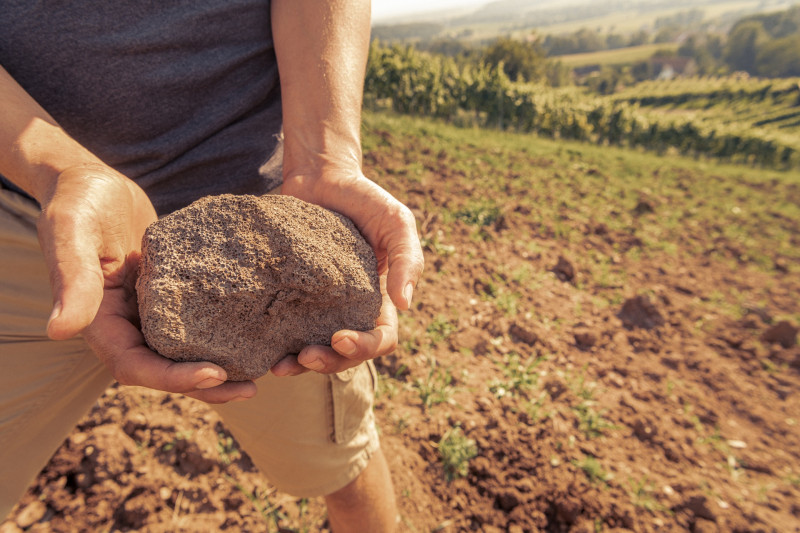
x=701 y=507
x=555 y=386
x=243 y=281
x=508 y=499
x=585 y=338
x=564 y=270
x=30 y=514
x=644 y=430
x=783 y=333
x=523 y=332
x=643 y=207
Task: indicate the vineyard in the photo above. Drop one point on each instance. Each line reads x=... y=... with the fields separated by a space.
x=746 y=121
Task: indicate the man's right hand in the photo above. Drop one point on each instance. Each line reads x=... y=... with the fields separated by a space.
x=90 y=231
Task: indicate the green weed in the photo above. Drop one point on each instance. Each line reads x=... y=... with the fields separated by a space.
x=437 y=246
x=226 y=447
x=792 y=479
x=436 y=387
x=535 y=409
x=520 y=374
x=591 y=422
x=456 y=451
x=480 y=213
x=181 y=435
x=642 y=494
x=593 y=469
x=272 y=513
x=440 y=329
x=579 y=387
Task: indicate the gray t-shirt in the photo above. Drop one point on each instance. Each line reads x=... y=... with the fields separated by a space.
x=180 y=95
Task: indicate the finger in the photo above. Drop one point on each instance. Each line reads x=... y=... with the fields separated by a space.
x=349 y=348
x=131 y=362
x=230 y=391
x=76 y=276
x=288 y=366
x=405 y=259
x=325 y=360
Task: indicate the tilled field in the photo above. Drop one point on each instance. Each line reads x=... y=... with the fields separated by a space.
x=601 y=340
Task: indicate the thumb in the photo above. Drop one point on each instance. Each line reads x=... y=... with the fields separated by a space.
x=76 y=279
x=405 y=261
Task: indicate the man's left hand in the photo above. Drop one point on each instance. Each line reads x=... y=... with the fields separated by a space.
x=391 y=230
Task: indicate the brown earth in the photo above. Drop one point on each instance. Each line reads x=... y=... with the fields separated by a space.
x=632 y=399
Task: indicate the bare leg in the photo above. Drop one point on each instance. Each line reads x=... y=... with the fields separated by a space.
x=367 y=503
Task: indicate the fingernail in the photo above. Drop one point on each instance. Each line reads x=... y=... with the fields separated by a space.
x=208 y=383
x=345 y=346
x=408 y=292
x=55 y=313
x=314 y=364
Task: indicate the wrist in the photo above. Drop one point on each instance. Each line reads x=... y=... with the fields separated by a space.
x=316 y=177
x=41 y=154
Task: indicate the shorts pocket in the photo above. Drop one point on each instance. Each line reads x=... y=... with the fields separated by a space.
x=352 y=395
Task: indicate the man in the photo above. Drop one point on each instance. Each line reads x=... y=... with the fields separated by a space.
x=111 y=113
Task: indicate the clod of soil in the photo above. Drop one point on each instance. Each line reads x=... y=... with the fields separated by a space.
x=564 y=270
x=783 y=333
x=640 y=312
x=242 y=281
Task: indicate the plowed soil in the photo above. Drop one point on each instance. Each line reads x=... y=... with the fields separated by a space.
x=604 y=379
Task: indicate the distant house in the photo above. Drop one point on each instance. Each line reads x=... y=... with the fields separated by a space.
x=673 y=67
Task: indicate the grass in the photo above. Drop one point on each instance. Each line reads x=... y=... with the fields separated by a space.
x=590 y=421
x=455 y=452
x=710 y=208
x=226 y=447
x=437 y=245
x=642 y=494
x=272 y=513
x=520 y=374
x=436 y=387
x=440 y=329
x=593 y=470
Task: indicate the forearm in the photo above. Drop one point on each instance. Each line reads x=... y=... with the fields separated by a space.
x=34 y=150
x=322 y=49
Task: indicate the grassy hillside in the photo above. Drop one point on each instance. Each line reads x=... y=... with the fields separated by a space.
x=620 y=56
x=708 y=208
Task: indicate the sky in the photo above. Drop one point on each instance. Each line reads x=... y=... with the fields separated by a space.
x=382 y=9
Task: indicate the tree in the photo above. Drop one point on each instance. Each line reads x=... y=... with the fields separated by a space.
x=521 y=61
x=780 y=57
x=743 y=45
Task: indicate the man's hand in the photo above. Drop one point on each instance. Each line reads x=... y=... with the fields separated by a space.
x=322 y=50
x=90 y=231
x=391 y=230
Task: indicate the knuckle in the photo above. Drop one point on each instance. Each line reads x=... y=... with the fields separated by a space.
x=407 y=217
x=418 y=265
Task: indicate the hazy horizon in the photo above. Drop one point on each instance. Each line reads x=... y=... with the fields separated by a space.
x=388 y=9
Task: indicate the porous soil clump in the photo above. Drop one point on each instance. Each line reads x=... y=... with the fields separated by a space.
x=242 y=281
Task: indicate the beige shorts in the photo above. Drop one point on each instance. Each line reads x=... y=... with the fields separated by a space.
x=310 y=435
